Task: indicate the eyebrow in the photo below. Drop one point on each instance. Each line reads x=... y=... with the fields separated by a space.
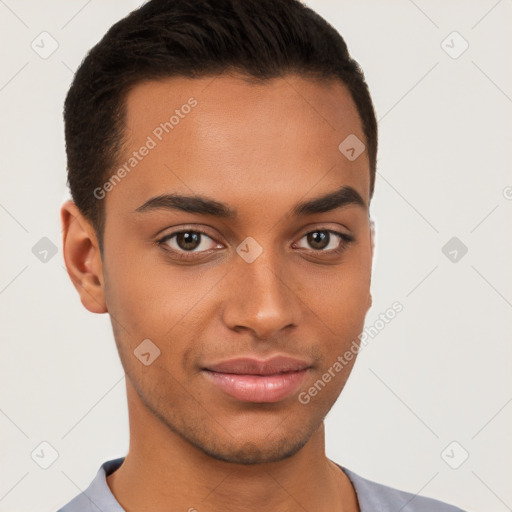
x=343 y=197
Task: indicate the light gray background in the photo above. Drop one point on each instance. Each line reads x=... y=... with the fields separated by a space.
x=438 y=373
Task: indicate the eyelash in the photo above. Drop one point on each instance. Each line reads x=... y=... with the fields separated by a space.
x=345 y=240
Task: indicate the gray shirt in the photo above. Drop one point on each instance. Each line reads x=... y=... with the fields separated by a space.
x=373 y=497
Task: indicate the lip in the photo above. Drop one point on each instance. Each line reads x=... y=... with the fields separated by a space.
x=254 y=380
x=254 y=366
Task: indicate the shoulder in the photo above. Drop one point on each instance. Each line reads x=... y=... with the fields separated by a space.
x=97 y=497
x=80 y=503
x=374 y=496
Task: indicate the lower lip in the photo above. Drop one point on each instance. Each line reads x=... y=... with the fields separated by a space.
x=258 y=388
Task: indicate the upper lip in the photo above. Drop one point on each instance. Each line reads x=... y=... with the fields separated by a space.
x=254 y=366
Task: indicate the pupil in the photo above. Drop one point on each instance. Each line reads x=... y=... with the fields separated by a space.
x=318 y=237
x=188 y=240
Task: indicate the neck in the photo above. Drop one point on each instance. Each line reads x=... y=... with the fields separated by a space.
x=163 y=472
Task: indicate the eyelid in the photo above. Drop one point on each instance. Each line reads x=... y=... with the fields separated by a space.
x=345 y=239
x=337 y=229
x=185 y=229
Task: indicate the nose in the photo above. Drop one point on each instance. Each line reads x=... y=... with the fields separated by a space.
x=261 y=297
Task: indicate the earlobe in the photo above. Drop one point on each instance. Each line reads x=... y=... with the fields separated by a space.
x=372 y=235
x=83 y=258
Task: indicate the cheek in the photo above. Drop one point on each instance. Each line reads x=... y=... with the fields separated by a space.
x=340 y=293
x=153 y=299
x=339 y=297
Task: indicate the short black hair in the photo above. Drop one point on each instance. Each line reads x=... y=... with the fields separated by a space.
x=259 y=39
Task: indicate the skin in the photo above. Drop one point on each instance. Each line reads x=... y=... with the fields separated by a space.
x=260 y=149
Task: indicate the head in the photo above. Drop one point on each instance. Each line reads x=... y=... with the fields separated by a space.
x=220 y=211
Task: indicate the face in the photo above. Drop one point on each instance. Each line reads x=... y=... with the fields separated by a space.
x=254 y=266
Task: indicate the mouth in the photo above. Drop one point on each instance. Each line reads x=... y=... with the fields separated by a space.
x=253 y=380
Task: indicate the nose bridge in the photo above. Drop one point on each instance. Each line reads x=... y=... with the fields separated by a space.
x=260 y=295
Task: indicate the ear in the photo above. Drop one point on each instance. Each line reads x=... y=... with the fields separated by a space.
x=372 y=243
x=83 y=258
x=372 y=235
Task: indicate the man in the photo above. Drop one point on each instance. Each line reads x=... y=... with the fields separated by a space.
x=221 y=159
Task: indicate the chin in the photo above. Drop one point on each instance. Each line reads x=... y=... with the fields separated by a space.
x=250 y=453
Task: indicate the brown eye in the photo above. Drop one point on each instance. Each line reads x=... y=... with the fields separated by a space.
x=318 y=240
x=325 y=241
x=188 y=240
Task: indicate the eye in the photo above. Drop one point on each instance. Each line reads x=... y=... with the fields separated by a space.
x=326 y=240
x=188 y=241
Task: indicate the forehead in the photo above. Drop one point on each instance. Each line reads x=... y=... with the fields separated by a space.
x=242 y=143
